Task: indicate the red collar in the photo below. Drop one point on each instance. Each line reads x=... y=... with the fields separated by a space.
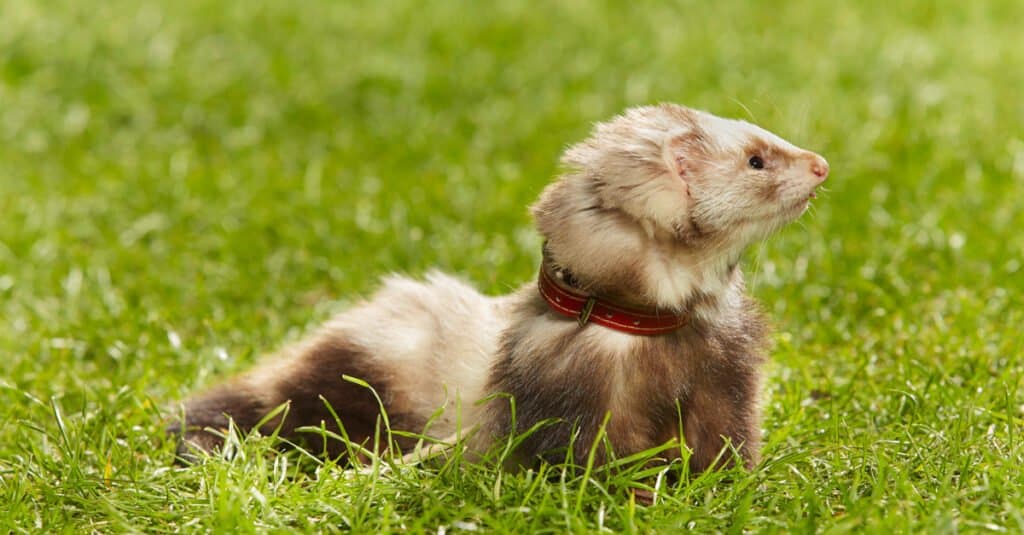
x=591 y=309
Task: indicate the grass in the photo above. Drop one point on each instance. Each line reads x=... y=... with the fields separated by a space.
x=186 y=185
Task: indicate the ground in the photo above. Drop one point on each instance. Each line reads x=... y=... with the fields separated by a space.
x=187 y=185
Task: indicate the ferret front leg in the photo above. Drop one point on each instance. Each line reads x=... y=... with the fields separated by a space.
x=717 y=417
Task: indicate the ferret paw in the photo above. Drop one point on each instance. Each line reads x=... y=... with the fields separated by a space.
x=195 y=443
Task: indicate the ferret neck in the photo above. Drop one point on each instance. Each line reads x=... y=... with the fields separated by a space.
x=561 y=292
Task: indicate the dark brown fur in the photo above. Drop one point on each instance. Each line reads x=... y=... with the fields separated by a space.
x=706 y=376
x=316 y=373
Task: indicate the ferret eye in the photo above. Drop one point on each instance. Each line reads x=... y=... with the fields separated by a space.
x=756 y=162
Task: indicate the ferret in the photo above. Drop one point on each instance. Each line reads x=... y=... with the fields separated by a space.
x=638 y=327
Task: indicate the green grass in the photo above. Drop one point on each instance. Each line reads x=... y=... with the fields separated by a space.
x=186 y=185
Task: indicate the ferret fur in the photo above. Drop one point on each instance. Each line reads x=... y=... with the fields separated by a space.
x=654 y=210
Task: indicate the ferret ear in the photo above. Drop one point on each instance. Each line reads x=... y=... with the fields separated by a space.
x=684 y=152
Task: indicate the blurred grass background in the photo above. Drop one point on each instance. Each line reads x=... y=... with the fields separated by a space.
x=185 y=185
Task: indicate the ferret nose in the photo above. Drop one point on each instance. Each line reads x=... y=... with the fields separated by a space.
x=819 y=167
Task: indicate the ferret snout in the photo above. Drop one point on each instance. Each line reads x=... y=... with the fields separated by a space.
x=819 y=167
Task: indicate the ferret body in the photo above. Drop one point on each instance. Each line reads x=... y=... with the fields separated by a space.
x=653 y=212
x=424 y=346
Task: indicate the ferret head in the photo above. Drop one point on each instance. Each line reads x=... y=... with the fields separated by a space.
x=681 y=181
x=696 y=175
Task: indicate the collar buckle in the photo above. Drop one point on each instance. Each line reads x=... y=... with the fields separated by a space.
x=588 y=307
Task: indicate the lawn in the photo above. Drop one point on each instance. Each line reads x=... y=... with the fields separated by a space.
x=187 y=185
